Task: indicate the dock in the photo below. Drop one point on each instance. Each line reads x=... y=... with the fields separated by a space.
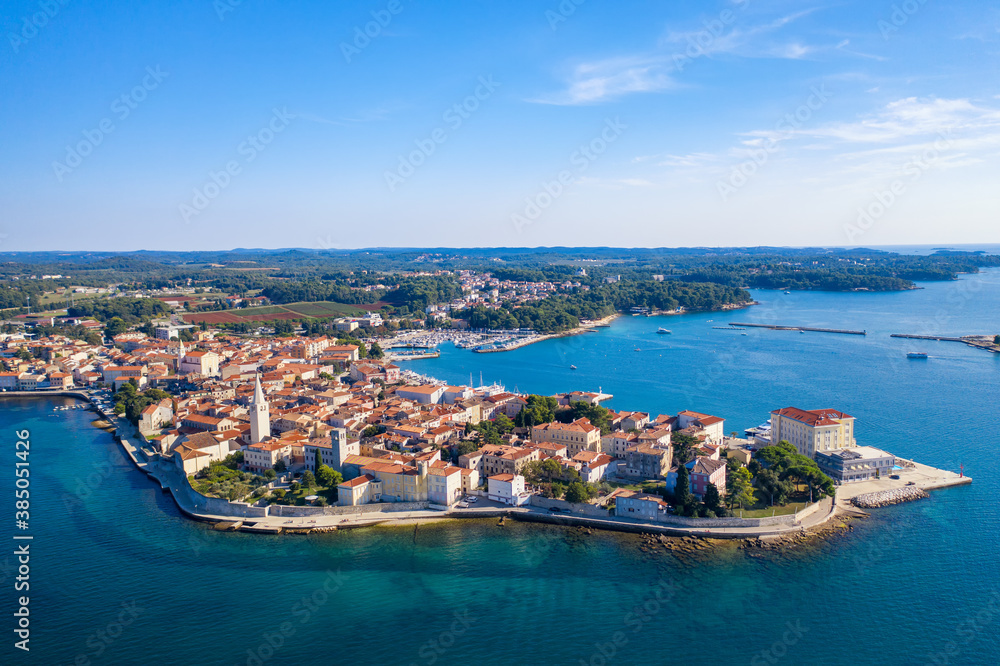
x=926 y=337
x=778 y=327
x=978 y=341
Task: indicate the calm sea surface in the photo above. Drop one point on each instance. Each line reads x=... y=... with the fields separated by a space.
x=917 y=583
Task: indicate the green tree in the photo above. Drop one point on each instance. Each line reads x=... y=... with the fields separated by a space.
x=503 y=424
x=742 y=492
x=773 y=486
x=280 y=466
x=713 y=500
x=375 y=351
x=116 y=326
x=683 y=447
x=369 y=431
x=270 y=474
x=682 y=489
x=576 y=492
x=996 y=339
x=328 y=477
x=309 y=479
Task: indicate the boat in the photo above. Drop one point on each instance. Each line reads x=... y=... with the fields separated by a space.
x=802 y=332
x=916 y=355
x=637 y=349
x=788 y=293
x=662 y=330
x=744 y=334
x=572 y=367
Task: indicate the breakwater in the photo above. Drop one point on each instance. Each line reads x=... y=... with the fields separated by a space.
x=888 y=497
x=779 y=327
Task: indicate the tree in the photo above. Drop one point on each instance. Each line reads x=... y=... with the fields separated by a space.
x=375 y=351
x=683 y=447
x=116 y=326
x=270 y=474
x=328 y=477
x=713 y=500
x=576 y=492
x=370 y=431
x=503 y=424
x=279 y=466
x=996 y=339
x=773 y=486
x=682 y=490
x=309 y=479
x=742 y=492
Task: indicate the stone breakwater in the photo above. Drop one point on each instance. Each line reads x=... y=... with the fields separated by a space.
x=888 y=497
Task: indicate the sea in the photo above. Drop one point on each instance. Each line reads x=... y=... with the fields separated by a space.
x=116 y=575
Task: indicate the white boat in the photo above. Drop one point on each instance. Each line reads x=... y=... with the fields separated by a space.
x=572 y=367
x=662 y=330
x=916 y=355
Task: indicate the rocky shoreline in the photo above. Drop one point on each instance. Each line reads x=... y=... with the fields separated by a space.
x=888 y=497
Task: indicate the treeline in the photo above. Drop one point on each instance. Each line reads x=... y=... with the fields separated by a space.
x=417 y=293
x=561 y=312
x=131 y=310
x=315 y=290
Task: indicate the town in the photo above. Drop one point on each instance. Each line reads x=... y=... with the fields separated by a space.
x=333 y=426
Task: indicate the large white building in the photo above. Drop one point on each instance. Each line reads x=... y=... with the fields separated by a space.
x=812 y=431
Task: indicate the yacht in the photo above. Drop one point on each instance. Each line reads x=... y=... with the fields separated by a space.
x=663 y=330
x=572 y=367
x=916 y=355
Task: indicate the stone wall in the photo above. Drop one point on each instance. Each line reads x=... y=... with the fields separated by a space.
x=306 y=511
x=769 y=521
x=577 y=509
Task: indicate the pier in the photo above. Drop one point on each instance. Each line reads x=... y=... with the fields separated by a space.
x=778 y=327
x=926 y=337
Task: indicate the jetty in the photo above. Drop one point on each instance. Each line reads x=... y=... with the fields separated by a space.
x=978 y=341
x=888 y=497
x=779 y=327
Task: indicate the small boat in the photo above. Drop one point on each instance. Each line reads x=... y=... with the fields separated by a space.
x=662 y=330
x=637 y=349
x=802 y=332
x=916 y=355
x=572 y=367
x=744 y=334
x=788 y=293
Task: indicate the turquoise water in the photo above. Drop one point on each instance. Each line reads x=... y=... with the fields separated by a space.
x=911 y=585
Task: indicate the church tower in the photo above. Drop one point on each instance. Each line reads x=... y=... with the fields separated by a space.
x=260 y=415
x=180 y=353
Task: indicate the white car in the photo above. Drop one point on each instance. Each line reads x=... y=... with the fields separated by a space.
x=473 y=500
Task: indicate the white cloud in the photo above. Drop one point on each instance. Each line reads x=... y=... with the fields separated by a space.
x=605 y=80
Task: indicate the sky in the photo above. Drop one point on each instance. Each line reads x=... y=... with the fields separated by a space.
x=243 y=123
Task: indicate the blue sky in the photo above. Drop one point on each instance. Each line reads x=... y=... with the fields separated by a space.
x=242 y=123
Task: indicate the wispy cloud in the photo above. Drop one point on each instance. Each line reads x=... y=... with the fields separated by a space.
x=658 y=70
x=608 y=79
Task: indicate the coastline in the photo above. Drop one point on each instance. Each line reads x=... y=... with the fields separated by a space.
x=590 y=326
x=303 y=520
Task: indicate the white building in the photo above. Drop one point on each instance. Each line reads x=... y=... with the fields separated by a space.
x=260 y=415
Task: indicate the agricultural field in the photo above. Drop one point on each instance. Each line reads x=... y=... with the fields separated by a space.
x=317 y=310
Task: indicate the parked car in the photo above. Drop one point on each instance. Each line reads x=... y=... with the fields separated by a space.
x=554 y=509
x=895 y=476
x=473 y=500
